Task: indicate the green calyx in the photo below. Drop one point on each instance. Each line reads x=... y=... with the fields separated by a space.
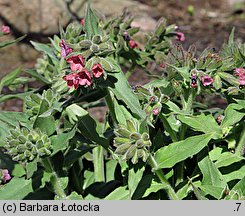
x=130 y=143
x=25 y=145
x=34 y=101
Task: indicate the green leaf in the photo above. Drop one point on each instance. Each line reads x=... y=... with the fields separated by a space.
x=86 y=124
x=44 y=48
x=211 y=174
x=199 y=194
x=10 y=120
x=121 y=113
x=226 y=159
x=168 y=156
x=7 y=43
x=37 y=76
x=16 y=189
x=74 y=196
x=74 y=154
x=240 y=187
x=45 y=124
x=213 y=182
x=233 y=173
x=89 y=179
x=205 y=124
x=214 y=191
x=183 y=71
x=110 y=170
x=9 y=78
x=61 y=141
x=147 y=186
x=91 y=26
x=232 y=115
x=120 y=193
x=31 y=168
x=18 y=170
x=123 y=91
x=157 y=83
x=134 y=176
x=21 y=96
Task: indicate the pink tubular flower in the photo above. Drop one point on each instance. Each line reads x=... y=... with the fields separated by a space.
x=76 y=62
x=5 y=29
x=65 y=49
x=207 y=80
x=180 y=36
x=82 y=78
x=240 y=72
x=82 y=21
x=5 y=175
x=193 y=81
x=72 y=80
x=97 y=70
x=85 y=78
x=133 y=44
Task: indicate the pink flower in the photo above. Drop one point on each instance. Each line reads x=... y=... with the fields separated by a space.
x=5 y=29
x=82 y=78
x=82 y=21
x=5 y=175
x=193 y=81
x=65 y=49
x=155 y=111
x=72 y=80
x=76 y=62
x=180 y=36
x=240 y=72
x=85 y=78
x=133 y=44
x=97 y=70
x=207 y=80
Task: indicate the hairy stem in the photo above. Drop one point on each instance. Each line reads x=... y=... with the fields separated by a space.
x=169 y=189
x=55 y=181
x=110 y=105
x=240 y=149
x=98 y=160
x=186 y=106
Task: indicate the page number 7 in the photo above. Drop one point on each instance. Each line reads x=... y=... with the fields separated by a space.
x=238 y=206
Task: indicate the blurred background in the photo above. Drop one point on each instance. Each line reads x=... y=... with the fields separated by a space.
x=205 y=23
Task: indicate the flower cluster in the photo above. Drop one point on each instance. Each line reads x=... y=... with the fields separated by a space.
x=205 y=79
x=4 y=176
x=81 y=76
x=130 y=143
x=131 y=42
x=240 y=72
x=25 y=145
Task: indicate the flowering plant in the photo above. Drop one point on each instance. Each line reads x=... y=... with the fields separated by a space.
x=160 y=140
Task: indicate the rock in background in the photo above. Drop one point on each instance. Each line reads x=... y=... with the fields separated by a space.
x=39 y=20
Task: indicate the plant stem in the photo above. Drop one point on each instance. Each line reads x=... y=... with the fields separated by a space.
x=169 y=189
x=241 y=145
x=168 y=128
x=110 y=104
x=98 y=160
x=55 y=181
x=186 y=106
